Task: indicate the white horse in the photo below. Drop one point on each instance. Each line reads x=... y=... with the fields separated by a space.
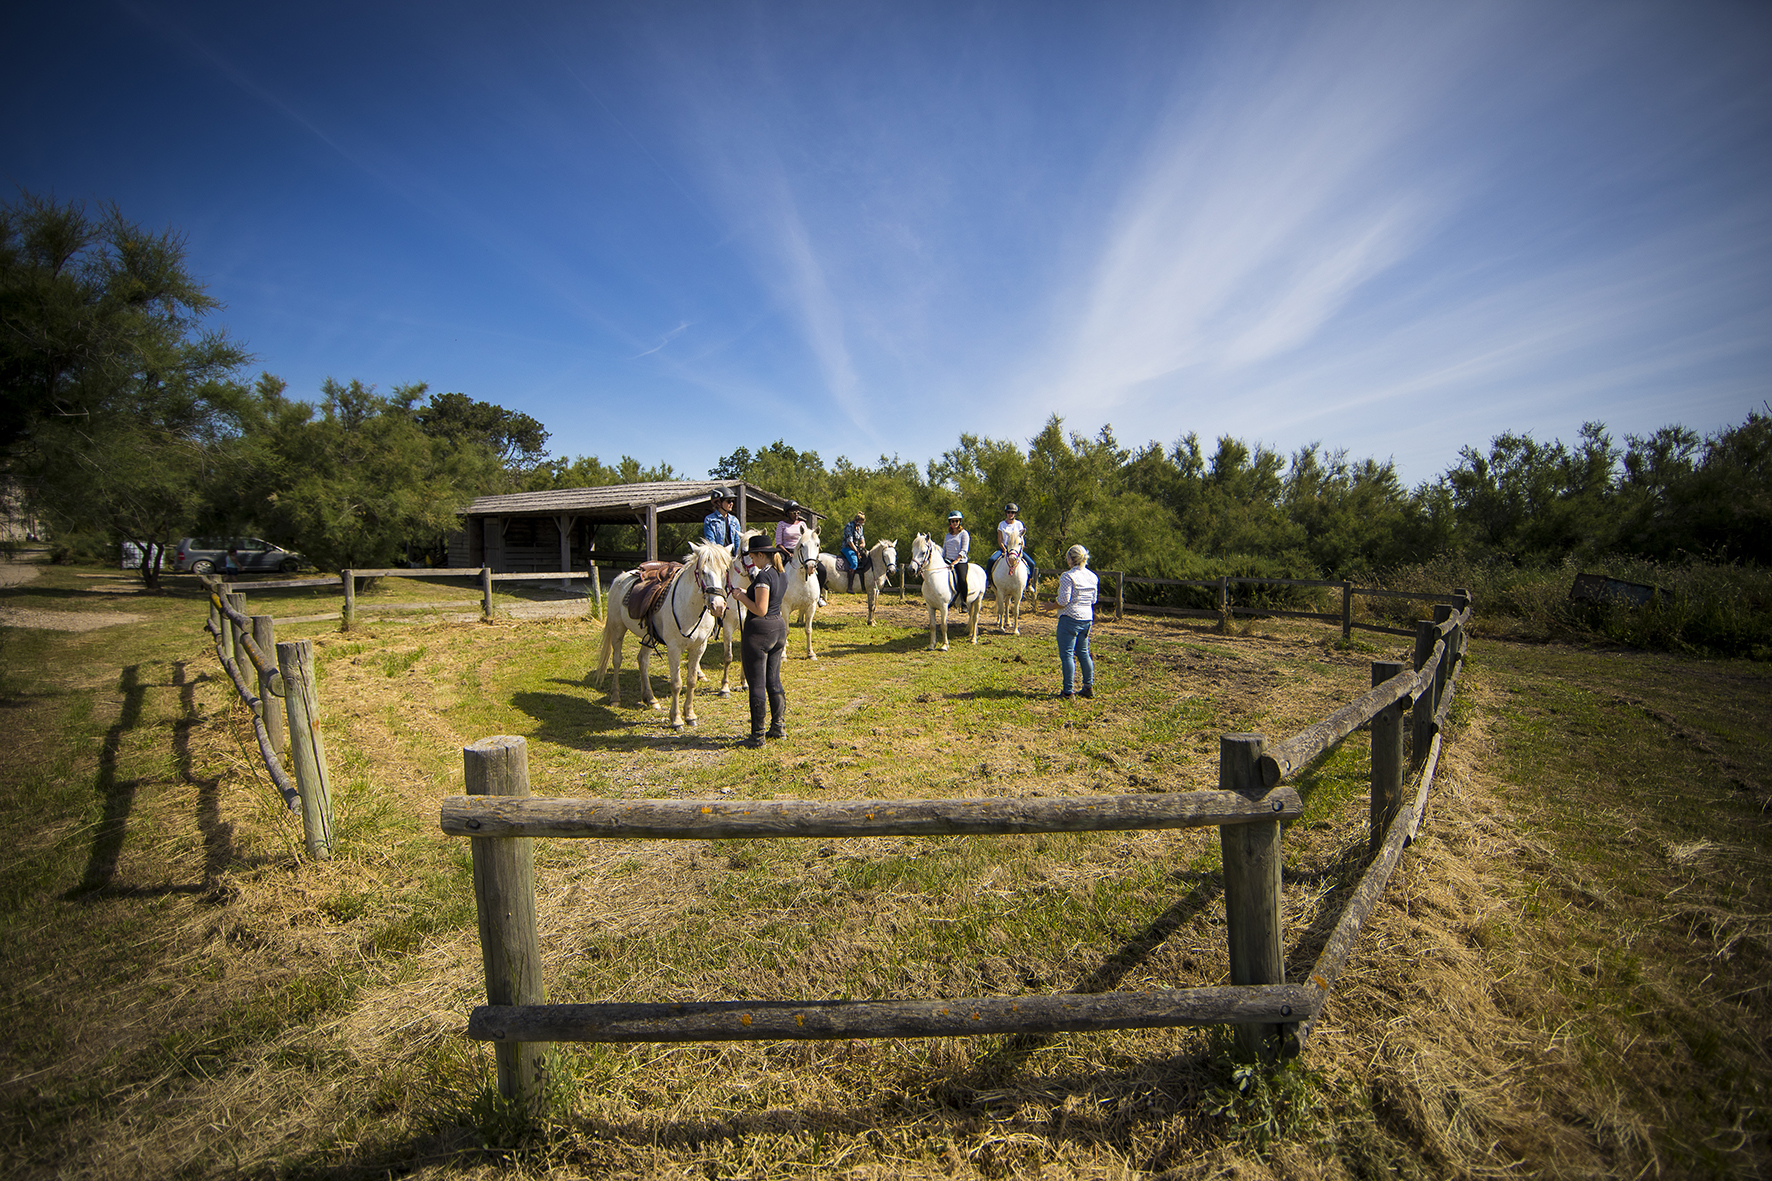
x=732 y=623
x=1010 y=578
x=883 y=561
x=938 y=588
x=802 y=593
x=683 y=620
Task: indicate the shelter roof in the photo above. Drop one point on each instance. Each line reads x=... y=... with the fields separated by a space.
x=677 y=502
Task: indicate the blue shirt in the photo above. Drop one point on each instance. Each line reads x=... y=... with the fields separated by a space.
x=721 y=529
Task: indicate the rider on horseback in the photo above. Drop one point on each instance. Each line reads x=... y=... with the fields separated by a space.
x=1012 y=535
x=720 y=527
x=787 y=536
x=954 y=548
x=855 y=544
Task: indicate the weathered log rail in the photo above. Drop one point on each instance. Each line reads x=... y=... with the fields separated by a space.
x=1273 y=1017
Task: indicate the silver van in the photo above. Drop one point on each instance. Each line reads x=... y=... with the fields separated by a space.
x=206 y=555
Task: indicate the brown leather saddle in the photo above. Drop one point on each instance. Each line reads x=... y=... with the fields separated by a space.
x=654 y=579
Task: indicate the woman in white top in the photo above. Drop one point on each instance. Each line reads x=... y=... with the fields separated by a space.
x=1078 y=588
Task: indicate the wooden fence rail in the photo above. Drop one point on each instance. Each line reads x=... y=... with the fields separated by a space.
x=1272 y=1016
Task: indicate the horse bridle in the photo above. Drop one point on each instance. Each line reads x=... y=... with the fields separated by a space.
x=709 y=592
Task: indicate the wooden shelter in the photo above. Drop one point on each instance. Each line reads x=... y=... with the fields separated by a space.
x=540 y=532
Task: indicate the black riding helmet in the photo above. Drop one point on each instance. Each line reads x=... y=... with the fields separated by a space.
x=1012 y=507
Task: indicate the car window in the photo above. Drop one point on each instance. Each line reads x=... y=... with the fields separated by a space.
x=251 y=545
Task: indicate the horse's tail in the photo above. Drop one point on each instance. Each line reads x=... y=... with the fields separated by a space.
x=612 y=628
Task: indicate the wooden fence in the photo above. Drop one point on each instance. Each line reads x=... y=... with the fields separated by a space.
x=1272 y=1017
x=1227 y=610
x=347 y=583
x=244 y=642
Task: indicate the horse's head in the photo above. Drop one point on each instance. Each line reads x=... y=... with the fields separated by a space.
x=712 y=564
x=921 y=551
x=886 y=556
x=806 y=549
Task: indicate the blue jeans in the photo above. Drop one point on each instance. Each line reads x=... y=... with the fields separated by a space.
x=1073 y=648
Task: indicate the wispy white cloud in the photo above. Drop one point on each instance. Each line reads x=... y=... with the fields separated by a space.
x=1275 y=190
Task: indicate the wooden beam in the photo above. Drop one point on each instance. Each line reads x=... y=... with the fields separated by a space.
x=485 y=816
x=1286 y=756
x=727 y=1021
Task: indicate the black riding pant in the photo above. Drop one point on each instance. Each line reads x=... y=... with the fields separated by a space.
x=761 y=647
x=959 y=569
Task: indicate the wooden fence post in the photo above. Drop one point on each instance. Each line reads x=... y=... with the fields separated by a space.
x=1422 y=718
x=1347 y=611
x=1252 y=860
x=264 y=634
x=1443 y=674
x=1119 y=595
x=224 y=625
x=1224 y=605
x=486 y=593
x=295 y=660
x=596 y=589
x=504 y=895
x=1387 y=758
x=237 y=600
x=347 y=616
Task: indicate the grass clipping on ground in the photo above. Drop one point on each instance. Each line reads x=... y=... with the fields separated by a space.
x=246 y=1012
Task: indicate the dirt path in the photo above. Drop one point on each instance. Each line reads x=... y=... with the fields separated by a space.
x=15 y=573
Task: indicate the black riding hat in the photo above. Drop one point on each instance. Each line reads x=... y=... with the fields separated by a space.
x=721 y=494
x=762 y=544
x=1012 y=507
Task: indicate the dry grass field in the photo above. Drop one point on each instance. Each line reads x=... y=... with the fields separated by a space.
x=1567 y=977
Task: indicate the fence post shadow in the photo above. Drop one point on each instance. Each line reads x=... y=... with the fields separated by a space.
x=218 y=837
x=118 y=794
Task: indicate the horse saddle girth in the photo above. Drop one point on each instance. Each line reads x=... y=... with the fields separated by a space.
x=651 y=581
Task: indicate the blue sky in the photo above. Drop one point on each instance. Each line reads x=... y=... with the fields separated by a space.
x=669 y=230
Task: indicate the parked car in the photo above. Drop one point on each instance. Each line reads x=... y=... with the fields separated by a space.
x=206 y=555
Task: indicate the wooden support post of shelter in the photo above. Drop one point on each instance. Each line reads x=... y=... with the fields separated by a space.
x=564 y=523
x=348 y=615
x=596 y=576
x=264 y=634
x=1252 y=858
x=504 y=895
x=1387 y=757
x=652 y=533
x=295 y=660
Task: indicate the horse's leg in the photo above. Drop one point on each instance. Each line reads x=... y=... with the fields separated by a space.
x=726 y=669
x=811 y=610
x=647 y=696
x=681 y=687
x=615 y=666
x=977 y=606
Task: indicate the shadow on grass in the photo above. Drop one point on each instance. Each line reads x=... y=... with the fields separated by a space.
x=573 y=721
x=117 y=794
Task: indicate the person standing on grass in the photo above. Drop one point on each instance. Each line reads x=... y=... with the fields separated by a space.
x=764 y=639
x=1078 y=588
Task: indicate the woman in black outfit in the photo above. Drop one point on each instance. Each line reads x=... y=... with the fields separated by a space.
x=765 y=638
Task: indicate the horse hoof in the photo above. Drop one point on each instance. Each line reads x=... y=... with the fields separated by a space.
x=726 y=693
x=944 y=647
